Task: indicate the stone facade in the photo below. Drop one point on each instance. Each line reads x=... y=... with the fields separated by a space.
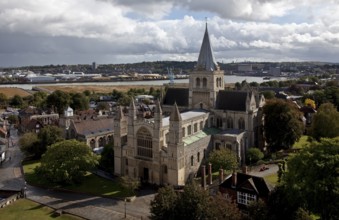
x=170 y=150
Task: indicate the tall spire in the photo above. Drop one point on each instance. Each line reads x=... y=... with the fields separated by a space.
x=206 y=57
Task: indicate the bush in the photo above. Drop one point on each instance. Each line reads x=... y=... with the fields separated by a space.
x=260 y=162
x=253 y=155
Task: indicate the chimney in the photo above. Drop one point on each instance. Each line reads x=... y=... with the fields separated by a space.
x=234 y=179
x=221 y=175
x=203 y=176
x=209 y=173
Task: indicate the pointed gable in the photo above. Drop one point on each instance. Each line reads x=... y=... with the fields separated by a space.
x=206 y=58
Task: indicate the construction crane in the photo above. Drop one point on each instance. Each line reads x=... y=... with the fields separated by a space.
x=170 y=75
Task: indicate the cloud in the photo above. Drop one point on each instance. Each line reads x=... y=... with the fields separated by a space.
x=106 y=31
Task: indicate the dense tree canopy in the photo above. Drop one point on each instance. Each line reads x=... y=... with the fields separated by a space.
x=58 y=101
x=67 y=162
x=325 y=122
x=3 y=99
x=283 y=124
x=106 y=161
x=223 y=158
x=49 y=135
x=192 y=203
x=79 y=101
x=35 y=145
x=312 y=178
x=38 y=99
x=17 y=101
x=29 y=144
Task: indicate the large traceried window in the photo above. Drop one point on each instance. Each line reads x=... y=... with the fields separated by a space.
x=245 y=198
x=144 y=143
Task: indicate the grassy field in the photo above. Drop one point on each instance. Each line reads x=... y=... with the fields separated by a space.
x=10 y=92
x=97 y=89
x=303 y=141
x=91 y=184
x=26 y=209
x=272 y=179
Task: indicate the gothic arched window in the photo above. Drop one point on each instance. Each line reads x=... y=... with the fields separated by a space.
x=198 y=82
x=229 y=122
x=204 y=82
x=241 y=123
x=144 y=143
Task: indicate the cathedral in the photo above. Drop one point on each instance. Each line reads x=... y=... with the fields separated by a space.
x=169 y=147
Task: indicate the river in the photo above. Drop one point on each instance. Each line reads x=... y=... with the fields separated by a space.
x=228 y=79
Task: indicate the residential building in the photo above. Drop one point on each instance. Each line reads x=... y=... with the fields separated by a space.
x=244 y=188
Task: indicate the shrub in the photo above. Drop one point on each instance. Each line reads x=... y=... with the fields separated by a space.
x=253 y=155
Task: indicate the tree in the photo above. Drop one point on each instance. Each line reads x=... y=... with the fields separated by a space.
x=310 y=102
x=58 y=101
x=221 y=208
x=253 y=155
x=116 y=95
x=38 y=99
x=164 y=204
x=312 y=178
x=269 y=94
x=257 y=210
x=3 y=99
x=279 y=206
x=66 y=162
x=17 y=101
x=223 y=158
x=106 y=161
x=13 y=119
x=192 y=203
x=129 y=185
x=283 y=124
x=325 y=122
x=79 y=101
x=47 y=136
x=124 y=100
x=29 y=143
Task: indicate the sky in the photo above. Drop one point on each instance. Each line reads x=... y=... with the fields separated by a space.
x=44 y=32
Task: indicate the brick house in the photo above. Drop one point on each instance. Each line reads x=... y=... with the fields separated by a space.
x=245 y=188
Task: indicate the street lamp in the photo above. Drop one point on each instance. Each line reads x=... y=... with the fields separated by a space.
x=125 y=207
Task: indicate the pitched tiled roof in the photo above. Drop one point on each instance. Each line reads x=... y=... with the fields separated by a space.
x=178 y=95
x=94 y=126
x=259 y=185
x=231 y=100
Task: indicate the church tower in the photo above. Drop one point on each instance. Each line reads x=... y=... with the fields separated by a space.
x=207 y=78
x=176 y=157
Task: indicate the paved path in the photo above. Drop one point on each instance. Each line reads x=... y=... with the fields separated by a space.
x=10 y=171
x=273 y=169
x=86 y=206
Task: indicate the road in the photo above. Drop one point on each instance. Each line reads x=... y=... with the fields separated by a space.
x=86 y=206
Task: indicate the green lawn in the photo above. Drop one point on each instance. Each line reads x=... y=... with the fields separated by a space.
x=91 y=184
x=272 y=179
x=301 y=143
x=26 y=209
